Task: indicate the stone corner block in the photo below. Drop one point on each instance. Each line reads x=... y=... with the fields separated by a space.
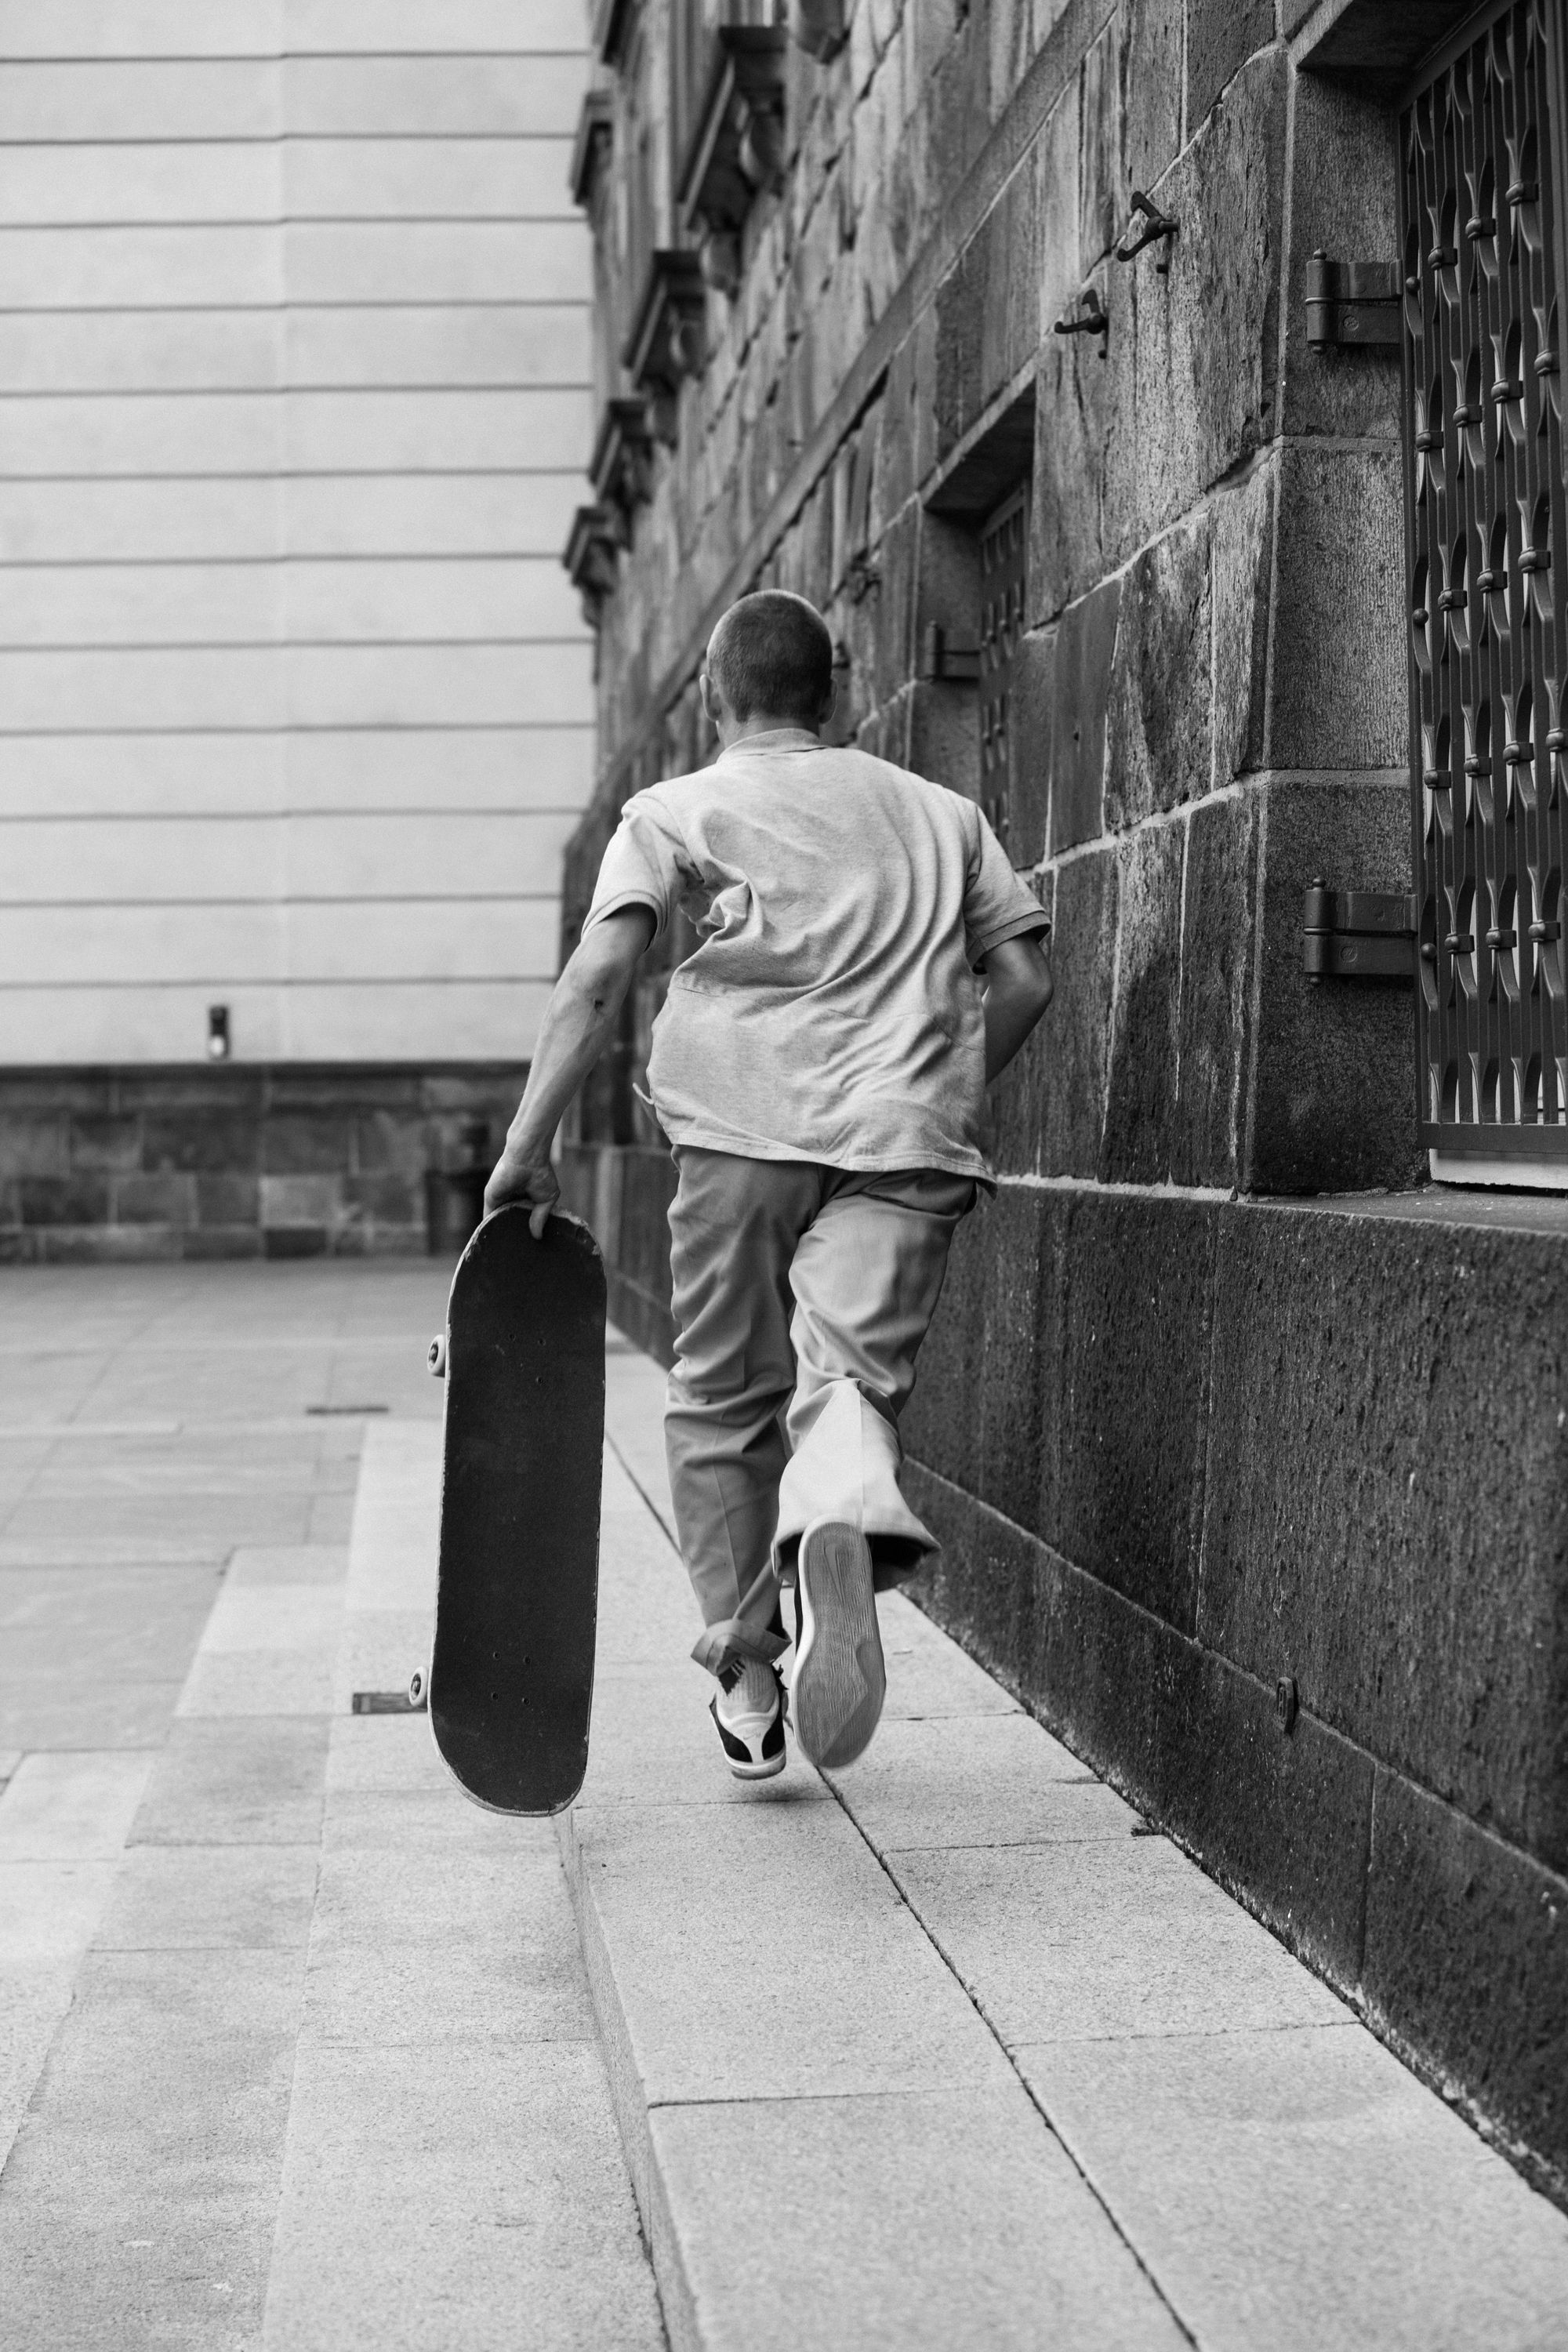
x=1333 y=1102
x=1339 y=691
x=1157 y=729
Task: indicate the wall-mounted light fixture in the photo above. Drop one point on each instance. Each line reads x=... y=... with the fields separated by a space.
x=218 y=1046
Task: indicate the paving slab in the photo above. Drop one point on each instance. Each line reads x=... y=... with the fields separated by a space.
x=1185 y=2115
x=390 y=1592
x=140 y=2188
x=246 y=1381
x=467 y=2198
x=38 y=1387
x=301 y=1618
x=379 y=1651
x=127 y=1623
x=248 y=1467
x=977 y=1779
x=233 y=1780
x=814 y=1979
x=59 y=1708
x=762 y=1985
x=289 y=1564
x=210 y=1897
x=386 y=1938
x=153 y=1547
x=267 y=1649
x=1300 y=2188
x=929 y=1679
x=274 y=1683
x=329 y=1517
x=49 y=1911
x=454 y=2174
x=948 y=2220
x=941 y=2054
x=636 y=1622
x=71 y=1808
x=651 y=1742
x=207 y=1522
x=33 y=2002
x=634 y=1424
x=384 y=1755
x=138 y=2207
x=392 y=1558
x=1121 y=1935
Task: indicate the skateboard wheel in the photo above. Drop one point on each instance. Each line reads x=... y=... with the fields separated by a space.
x=436 y=1356
x=418 y=1689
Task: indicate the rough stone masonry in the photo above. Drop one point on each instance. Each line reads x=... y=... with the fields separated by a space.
x=1247 y=1446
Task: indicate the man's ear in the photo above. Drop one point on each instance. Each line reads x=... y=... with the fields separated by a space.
x=829 y=703
x=710 y=699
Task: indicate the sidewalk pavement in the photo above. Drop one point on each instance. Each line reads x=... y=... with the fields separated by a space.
x=947 y=2050
x=300 y=2049
x=296 y=2049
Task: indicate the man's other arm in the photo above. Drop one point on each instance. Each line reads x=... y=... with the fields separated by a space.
x=1018 y=987
x=579 y=1022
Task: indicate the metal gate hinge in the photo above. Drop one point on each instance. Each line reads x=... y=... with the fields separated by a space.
x=1358 y=934
x=1352 y=302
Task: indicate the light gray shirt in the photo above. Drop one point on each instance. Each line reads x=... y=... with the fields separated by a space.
x=832 y=1011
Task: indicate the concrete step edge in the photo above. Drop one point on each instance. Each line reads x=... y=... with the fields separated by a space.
x=629 y=2099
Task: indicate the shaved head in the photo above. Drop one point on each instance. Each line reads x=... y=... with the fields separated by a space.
x=772 y=654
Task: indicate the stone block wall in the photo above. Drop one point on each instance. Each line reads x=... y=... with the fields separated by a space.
x=1180 y=1452
x=247 y=1161
x=1219 y=1396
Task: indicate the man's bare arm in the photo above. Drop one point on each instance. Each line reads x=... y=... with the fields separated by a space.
x=579 y=1022
x=1018 y=987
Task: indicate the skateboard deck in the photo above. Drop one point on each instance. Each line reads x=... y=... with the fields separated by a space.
x=511 y=1674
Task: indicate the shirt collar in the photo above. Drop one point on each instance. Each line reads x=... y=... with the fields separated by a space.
x=776 y=738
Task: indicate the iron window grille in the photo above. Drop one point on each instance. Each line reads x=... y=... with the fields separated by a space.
x=1482 y=225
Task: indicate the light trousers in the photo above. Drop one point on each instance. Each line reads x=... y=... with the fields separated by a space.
x=802 y=1294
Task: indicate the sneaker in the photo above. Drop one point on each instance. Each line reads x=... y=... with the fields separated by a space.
x=839 y=1678
x=750 y=1714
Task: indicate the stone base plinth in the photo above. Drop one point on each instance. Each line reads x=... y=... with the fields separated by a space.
x=243 y=1160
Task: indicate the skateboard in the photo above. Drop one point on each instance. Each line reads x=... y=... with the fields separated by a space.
x=511 y=1674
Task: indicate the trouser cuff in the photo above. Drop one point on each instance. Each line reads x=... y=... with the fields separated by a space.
x=753 y=1634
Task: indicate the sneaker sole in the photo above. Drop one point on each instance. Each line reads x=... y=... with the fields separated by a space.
x=840 y=1680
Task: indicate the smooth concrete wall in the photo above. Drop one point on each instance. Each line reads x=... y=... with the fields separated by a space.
x=295 y=699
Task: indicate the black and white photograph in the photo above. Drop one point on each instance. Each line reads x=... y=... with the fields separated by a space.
x=783 y=1176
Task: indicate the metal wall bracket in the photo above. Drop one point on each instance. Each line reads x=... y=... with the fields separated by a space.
x=1147 y=225
x=1351 y=303
x=949 y=654
x=1088 y=319
x=1358 y=934
x=818 y=28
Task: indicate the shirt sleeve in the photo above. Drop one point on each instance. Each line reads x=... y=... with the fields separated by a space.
x=997 y=903
x=645 y=865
